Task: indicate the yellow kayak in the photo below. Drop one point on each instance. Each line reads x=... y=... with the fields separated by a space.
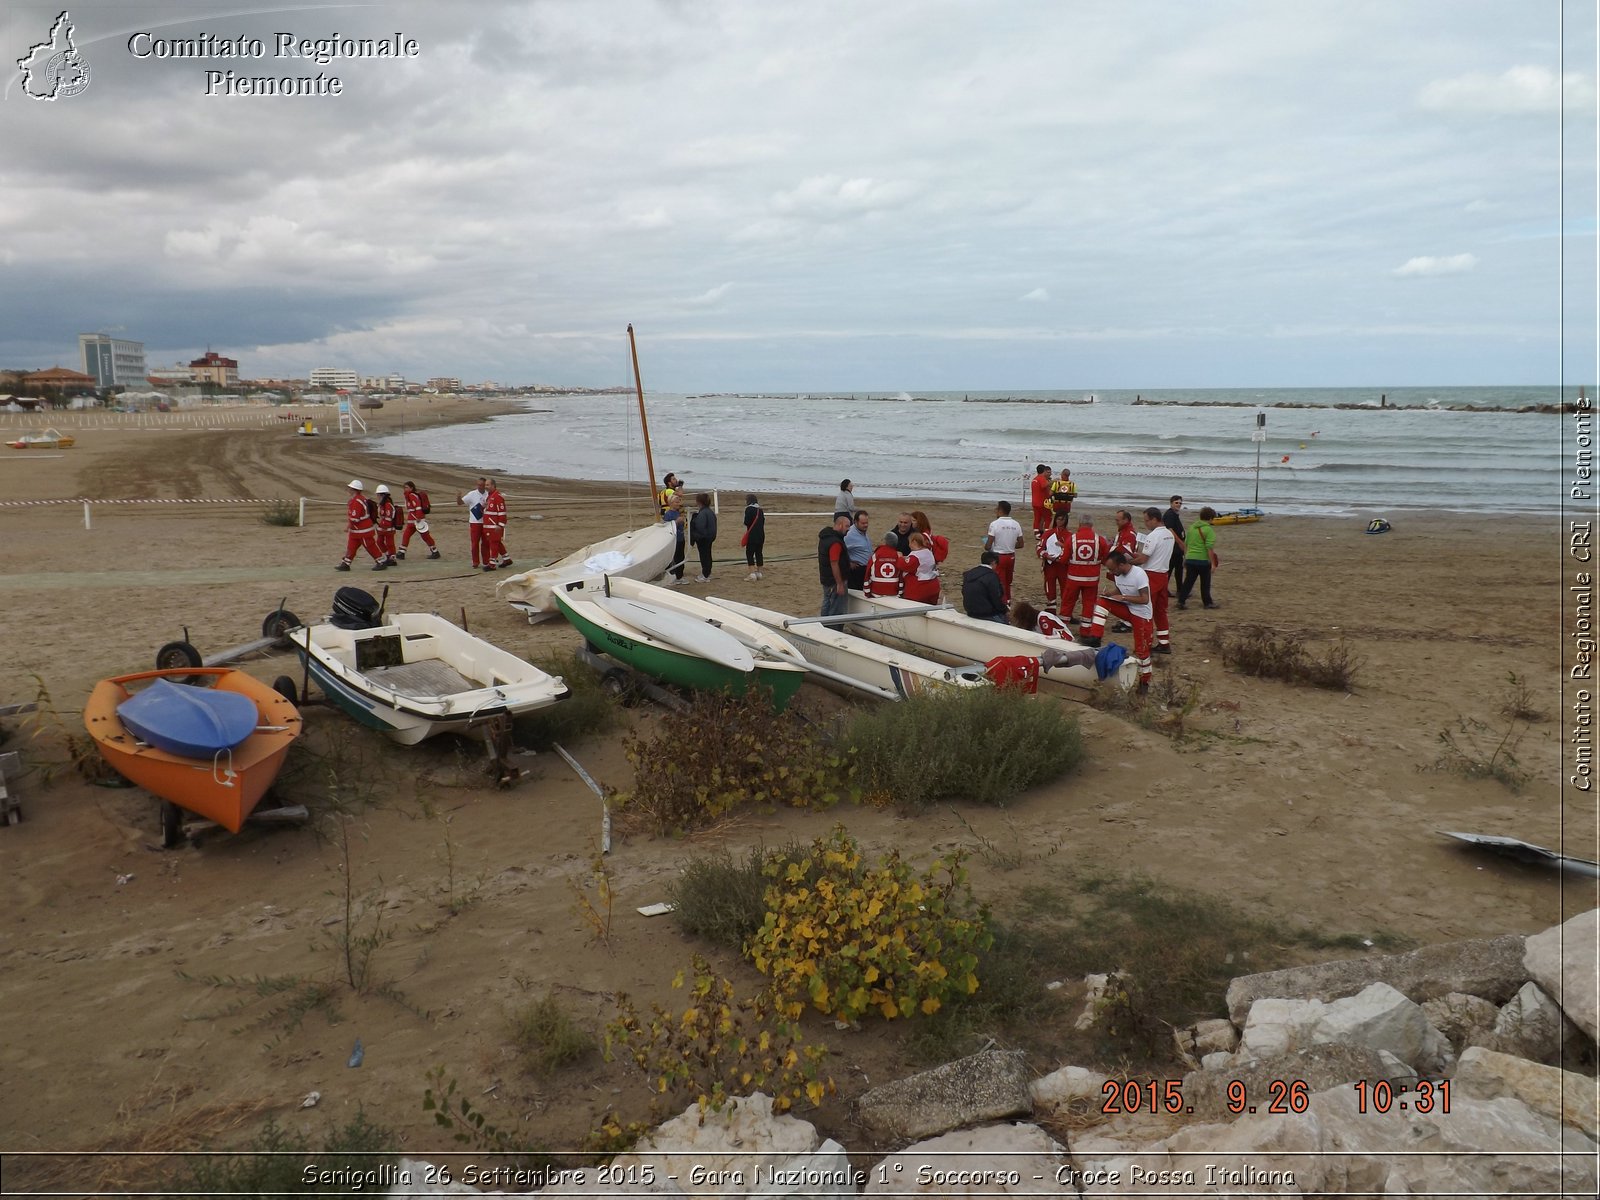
x=1245 y=516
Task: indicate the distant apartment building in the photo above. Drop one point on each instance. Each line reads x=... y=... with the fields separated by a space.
x=177 y=375
x=112 y=362
x=213 y=368
x=395 y=383
x=444 y=383
x=334 y=377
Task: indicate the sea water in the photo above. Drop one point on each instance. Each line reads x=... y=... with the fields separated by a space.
x=1406 y=448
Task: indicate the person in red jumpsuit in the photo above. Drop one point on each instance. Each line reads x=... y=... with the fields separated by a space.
x=1086 y=550
x=359 y=526
x=416 y=521
x=1039 y=497
x=388 y=515
x=494 y=529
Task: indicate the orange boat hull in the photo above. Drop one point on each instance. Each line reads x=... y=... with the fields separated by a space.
x=226 y=790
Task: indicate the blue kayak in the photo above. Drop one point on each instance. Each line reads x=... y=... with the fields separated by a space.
x=193 y=722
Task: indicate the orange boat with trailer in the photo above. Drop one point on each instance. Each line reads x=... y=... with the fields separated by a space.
x=224 y=787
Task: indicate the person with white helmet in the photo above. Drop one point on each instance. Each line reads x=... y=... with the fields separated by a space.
x=386 y=520
x=360 y=517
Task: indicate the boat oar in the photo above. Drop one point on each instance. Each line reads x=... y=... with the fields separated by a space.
x=852 y=618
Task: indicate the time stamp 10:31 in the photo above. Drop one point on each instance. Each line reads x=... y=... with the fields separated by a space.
x=1282 y=1096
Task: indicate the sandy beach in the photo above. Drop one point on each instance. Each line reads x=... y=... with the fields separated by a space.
x=1309 y=806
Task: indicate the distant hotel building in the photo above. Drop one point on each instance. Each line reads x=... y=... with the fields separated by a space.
x=444 y=383
x=213 y=368
x=112 y=362
x=334 y=377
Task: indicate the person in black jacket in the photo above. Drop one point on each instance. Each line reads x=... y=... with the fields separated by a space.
x=755 y=536
x=982 y=592
x=833 y=560
x=702 y=532
x=1173 y=520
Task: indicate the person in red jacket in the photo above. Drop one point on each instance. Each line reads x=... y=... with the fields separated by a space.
x=922 y=578
x=886 y=569
x=1086 y=550
x=387 y=517
x=494 y=529
x=358 y=525
x=1039 y=497
x=416 y=520
x=1127 y=537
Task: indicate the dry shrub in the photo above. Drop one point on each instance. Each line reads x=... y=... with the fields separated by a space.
x=723 y=753
x=546 y=1037
x=1268 y=654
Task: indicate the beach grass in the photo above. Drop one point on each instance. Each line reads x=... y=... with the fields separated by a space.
x=945 y=746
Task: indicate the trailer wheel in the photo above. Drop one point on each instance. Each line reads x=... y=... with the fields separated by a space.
x=278 y=624
x=171 y=825
x=614 y=683
x=177 y=655
x=284 y=686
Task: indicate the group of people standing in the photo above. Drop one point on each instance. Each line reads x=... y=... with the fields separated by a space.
x=370 y=525
x=699 y=529
x=486 y=524
x=1146 y=568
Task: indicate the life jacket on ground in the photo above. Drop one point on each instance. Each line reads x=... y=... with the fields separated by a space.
x=1014 y=671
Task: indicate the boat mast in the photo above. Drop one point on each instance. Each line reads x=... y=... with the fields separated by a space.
x=644 y=424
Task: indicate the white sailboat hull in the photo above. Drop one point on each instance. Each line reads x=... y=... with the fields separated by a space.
x=640 y=554
x=950 y=636
x=882 y=670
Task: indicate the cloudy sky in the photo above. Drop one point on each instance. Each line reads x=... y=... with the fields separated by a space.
x=915 y=194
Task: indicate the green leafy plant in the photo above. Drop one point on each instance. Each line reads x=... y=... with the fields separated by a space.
x=984 y=745
x=723 y=753
x=850 y=939
x=722 y=1045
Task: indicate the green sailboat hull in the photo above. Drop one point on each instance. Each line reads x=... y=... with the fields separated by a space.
x=686 y=670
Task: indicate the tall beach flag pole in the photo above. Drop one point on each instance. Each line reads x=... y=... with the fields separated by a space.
x=644 y=425
x=1257 y=435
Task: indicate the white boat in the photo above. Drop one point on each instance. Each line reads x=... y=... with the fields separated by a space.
x=642 y=554
x=853 y=662
x=417 y=675
x=681 y=639
x=950 y=636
